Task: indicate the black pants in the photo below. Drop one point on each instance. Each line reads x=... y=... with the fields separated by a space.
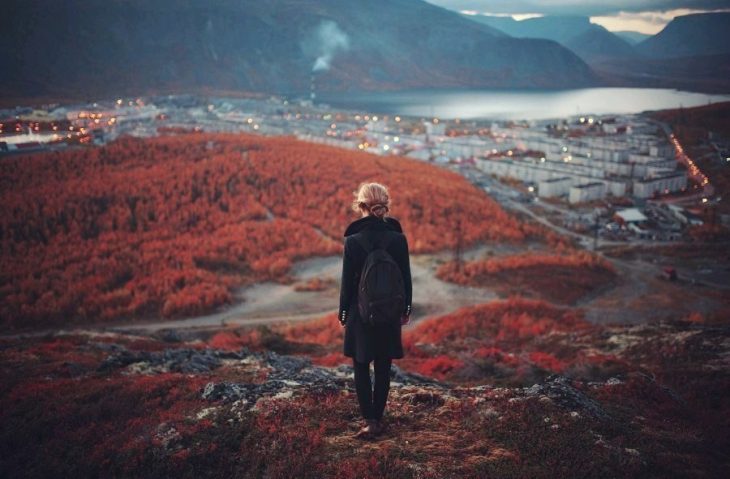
x=372 y=402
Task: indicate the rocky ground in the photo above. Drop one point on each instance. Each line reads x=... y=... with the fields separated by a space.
x=639 y=401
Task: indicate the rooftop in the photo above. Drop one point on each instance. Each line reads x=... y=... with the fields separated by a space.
x=631 y=215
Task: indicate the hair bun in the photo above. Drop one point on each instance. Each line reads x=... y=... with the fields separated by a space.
x=379 y=209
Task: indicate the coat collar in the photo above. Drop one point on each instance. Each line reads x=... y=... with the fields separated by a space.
x=371 y=222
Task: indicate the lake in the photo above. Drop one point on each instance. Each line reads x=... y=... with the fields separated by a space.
x=522 y=104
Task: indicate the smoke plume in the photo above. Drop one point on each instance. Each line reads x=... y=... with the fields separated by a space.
x=330 y=40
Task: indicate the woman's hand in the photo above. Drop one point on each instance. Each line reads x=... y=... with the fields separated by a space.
x=405 y=319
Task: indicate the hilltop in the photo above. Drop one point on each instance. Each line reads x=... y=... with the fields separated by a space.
x=544 y=394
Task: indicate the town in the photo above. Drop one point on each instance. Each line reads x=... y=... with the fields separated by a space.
x=603 y=180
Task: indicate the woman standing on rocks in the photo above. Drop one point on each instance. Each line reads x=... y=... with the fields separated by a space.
x=376 y=283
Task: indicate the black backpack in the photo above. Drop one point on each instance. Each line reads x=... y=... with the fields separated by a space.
x=380 y=292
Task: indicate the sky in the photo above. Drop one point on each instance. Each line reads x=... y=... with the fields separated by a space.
x=645 y=16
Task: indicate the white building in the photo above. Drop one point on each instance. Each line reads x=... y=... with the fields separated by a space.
x=586 y=192
x=658 y=186
x=630 y=216
x=553 y=187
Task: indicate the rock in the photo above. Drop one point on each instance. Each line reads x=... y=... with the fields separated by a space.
x=561 y=391
x=412 y=379
x=284 y=365
x=174 y=360
x=167 y=435
x=250 y=393
x=428 y=398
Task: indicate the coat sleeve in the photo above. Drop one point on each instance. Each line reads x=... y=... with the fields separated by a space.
x=346 y=284
x=404 y=262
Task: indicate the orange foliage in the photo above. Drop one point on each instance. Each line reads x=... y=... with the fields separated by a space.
x=517 y=339
x=170 y=225
x=324 y=331
x=547 y=361
x=560 y=278
x=474 y=269
x=438 y=366
x=512 y=319
x=235 y=340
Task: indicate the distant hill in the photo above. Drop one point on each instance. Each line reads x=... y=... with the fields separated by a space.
x=114 y=47
x=709 y=73
x=589 y=41
x=699 y=34
x=632 y=38
x=596 y=44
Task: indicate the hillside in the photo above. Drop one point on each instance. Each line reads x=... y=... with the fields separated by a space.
x=524 y=389
x=697 y=129
x=114 y=47
x=632 y=38
x=589 y=41
x=172 y=225
x=689 y=35
x=707 y=73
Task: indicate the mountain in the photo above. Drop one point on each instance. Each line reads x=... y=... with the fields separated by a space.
x=116 y=47
x=632 y=38
x=707 y=73
x=688 y=35
x=591 y=42
x=597 y=44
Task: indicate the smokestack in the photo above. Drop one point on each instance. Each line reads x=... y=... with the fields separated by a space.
x=312 y=94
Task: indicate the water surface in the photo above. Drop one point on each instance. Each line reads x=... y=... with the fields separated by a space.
x=519 y=104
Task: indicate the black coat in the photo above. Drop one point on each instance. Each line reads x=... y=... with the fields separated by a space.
x=365 y=343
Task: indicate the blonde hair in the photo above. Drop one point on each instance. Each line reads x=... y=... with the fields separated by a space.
x=372 y=197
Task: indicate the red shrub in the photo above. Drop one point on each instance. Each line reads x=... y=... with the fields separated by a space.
x=170 y=225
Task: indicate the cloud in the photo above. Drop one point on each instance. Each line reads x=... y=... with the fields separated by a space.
x=579 y=7
x=644 y=22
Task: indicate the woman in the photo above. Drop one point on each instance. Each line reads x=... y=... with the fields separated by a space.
x=365 y=343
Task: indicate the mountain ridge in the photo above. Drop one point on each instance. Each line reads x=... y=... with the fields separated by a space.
x=117 y=47
x=589 y=41
x=689 y=35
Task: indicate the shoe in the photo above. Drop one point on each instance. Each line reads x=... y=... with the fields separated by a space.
x=364 y=432
x=376 y=427
x=370 y=430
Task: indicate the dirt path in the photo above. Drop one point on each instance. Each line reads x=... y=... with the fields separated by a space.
x=638 y=296
x=267 y=303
